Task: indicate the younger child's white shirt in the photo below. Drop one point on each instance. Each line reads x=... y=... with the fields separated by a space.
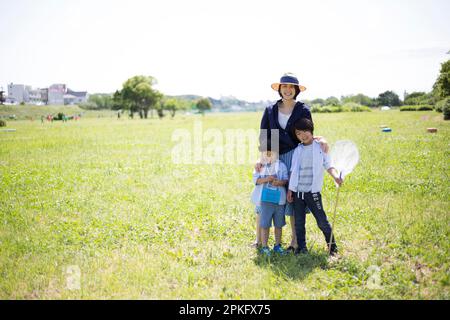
x=279 y=169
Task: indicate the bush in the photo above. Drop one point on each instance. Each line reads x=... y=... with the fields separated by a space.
x=351 y=106
x=361 y=109
x=408 y=108
x=315 y=108
x=346 y=109
x=355 y=107
x=88 y=106
x=446 y=110
x=2 y=123
x=329 y=109
x=439 y=106
x=424 y=108
x=416 y=108
x=337 y=109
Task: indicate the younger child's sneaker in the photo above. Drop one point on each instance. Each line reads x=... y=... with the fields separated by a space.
x=265 y=251
x=279 y=249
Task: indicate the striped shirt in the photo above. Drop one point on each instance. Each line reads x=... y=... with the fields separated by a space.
x=305 y=178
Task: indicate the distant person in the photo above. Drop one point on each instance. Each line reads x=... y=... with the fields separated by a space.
x=269 y=197
x=281 y=116
x=118 y=115
x=305 y=184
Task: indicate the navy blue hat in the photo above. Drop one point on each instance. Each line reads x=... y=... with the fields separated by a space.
x=287 y=78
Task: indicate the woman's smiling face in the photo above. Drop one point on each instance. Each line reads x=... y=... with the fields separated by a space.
x=287 y=91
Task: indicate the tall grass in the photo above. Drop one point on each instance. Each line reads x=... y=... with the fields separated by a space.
x=104 y=196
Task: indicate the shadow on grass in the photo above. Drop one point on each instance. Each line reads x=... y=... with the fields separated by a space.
x=291 y=266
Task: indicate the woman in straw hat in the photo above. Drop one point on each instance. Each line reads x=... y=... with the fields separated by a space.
x=281 y=117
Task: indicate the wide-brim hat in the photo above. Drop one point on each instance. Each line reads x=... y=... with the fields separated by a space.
x=288 y=78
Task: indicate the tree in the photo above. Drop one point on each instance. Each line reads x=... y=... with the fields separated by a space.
x=203 y=104
x=102 y=101
x=359 y=99
x=332 y=101
x=441 y=88
x=173 y=105
x=318 y=101
x=160 y=110
x=2 y=98
x=388 y=98
x=137 y=95
x=418 y=98
x=118 y=103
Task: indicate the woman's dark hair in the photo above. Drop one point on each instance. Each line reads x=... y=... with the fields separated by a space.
x=303 y=124
x=297 y=91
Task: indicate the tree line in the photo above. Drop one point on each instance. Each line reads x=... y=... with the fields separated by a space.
x=438 y=98
x=138 y=95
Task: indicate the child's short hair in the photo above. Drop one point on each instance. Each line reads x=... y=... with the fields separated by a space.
x=303 y=124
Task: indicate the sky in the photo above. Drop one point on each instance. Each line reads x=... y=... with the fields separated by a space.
x=226 y=48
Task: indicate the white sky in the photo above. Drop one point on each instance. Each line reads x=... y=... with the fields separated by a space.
x=232 y=47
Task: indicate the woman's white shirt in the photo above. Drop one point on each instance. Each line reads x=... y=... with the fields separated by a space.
x=283 y=119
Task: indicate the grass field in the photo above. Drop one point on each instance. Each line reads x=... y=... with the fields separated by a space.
x=32 y=112
x=96 y=209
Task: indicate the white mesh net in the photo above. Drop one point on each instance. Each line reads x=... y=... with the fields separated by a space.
x=344 y=156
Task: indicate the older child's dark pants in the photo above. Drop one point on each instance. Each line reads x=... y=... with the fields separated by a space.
x=314 y=202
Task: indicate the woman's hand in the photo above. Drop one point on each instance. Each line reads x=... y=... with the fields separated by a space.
x=289 y=197
x=258 y=167
x=323 y=143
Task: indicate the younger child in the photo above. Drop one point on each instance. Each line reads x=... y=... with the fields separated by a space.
x=306 y=182
x=272 y=179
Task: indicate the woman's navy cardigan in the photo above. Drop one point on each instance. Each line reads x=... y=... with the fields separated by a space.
x=269 y=122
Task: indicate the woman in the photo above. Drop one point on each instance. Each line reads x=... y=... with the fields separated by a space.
x=282 y=116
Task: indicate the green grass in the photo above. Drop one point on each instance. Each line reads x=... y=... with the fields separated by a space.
x=104 y=195
x=34 y=113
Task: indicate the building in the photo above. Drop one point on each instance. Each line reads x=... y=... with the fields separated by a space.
x=34 y=96
x=17 y=93
x=75 y=97
x=44 y=95
x=56 y=93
